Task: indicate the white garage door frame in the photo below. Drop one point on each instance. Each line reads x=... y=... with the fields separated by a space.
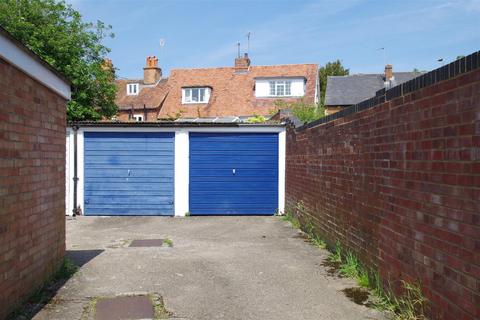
x=181 y=162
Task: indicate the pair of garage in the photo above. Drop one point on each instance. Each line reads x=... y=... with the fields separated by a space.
x=201 y=170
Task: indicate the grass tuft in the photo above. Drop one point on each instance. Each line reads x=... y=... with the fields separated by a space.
x=289 y=217
x=168 y=242
x=411 y=305
x=44 y=293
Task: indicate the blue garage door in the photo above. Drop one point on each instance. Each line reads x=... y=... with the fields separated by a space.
x=233 y=173
x=129 y=173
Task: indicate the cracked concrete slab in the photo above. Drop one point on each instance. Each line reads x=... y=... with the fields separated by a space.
x=220 y=268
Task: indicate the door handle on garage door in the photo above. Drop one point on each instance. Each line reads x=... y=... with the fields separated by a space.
x=234 y=171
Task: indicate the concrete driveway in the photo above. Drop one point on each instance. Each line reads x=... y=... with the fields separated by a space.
x=218 y=268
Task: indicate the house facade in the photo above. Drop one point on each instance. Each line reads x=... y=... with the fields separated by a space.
x=243 y=90
x=346 y=91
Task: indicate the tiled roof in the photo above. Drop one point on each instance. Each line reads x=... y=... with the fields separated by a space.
x=233 y=92
x=150 y=96
x=352 y=89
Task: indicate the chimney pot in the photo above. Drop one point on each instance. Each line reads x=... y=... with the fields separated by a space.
x=388 y=72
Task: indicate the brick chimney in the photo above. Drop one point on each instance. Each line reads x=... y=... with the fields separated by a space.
x=242 y=63
x=151 y=72
x=388 y=72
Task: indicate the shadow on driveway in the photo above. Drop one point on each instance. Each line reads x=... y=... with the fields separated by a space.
x=45 y=295
x=81 y=257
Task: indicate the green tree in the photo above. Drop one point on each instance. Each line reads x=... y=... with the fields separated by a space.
x=55 y=31
x=303 y=111
x=333 y=68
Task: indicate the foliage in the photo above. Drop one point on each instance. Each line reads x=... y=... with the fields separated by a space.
x=411 y=305
x=43 y=294
x=416 y=70
x=314 y=238
x=333 y=68
x=336 y=255
x=256 y=119
x=168 y=242
x=303 y=111
x=289 y=217
x=66 y=270
x=55 y=31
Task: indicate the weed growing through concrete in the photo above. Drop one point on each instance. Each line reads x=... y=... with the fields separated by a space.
x=313 y=236
x=411 y=305
x=289 y=217
x=336 y=255
x=168 y=242
x=44 y=294
x=89 y=309
x=159 y=307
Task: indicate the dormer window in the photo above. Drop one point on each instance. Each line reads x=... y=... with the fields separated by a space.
x=195 y=95
x=279 y=87
x=132 y=89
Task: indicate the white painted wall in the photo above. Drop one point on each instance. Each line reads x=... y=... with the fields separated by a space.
x=262 y=87
x=80 y=169
x=282 y=138
x=69 y=173
x=181 y=175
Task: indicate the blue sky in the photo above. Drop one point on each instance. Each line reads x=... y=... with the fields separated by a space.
x=204 y=33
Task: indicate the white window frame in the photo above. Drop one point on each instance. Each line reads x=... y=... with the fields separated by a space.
x=187 y=95
x=138 y=117
x=276 y=85
x=132 y=89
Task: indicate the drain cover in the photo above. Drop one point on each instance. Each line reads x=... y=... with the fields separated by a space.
x=134 y=307
x=147 y=243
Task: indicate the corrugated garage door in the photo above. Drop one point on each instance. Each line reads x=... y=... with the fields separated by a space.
x=129 y=173
x=233 y=173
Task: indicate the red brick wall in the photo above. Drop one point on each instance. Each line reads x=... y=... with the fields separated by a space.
x=399 y=184
x=32 y=185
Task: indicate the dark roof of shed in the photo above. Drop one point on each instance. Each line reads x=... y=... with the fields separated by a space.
x=170 y=124
x=352 y=89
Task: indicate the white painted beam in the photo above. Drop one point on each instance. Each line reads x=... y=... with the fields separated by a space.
x=80 y=170
x=181 y=175
x=17 y=56
x=281 y=171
